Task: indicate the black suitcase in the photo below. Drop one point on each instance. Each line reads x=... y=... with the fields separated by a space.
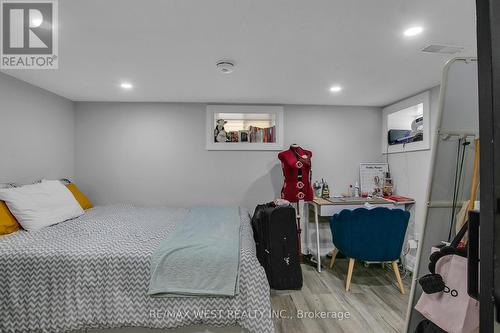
x=275 y=233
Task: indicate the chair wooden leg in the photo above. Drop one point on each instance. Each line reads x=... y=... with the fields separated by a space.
x=395 y=268
x=349 y=274
x=334 y=254
x=382 y=264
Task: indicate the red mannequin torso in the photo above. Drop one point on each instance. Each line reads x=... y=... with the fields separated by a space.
x=296 y=165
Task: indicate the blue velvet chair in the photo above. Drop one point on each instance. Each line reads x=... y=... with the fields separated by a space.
x=370 y=235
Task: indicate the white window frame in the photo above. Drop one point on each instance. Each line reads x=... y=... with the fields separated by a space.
x=423 y=98
x=213 y=109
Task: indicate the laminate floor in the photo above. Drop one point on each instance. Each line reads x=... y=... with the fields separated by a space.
x=373 y=304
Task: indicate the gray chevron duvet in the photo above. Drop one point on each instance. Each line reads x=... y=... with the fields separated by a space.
x=94 y=271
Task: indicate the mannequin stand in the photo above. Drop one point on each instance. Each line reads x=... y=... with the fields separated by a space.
x=303 y=258
x=299 y=232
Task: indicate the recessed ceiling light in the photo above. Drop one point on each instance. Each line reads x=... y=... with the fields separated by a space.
x=335 y=89
x=126 y=85
x=413 y=31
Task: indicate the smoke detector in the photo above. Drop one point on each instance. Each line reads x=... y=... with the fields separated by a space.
x=445 y=49
x=225 y=66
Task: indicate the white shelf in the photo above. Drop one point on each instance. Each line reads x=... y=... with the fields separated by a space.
x=245 y=113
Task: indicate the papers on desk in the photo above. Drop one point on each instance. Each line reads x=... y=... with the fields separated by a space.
x=397 y=198
x=400 y=200
x=322 y=201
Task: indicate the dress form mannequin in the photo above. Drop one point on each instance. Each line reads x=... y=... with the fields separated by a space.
x=296 y=165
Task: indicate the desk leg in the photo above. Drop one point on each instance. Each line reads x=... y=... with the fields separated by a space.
x=316 y=221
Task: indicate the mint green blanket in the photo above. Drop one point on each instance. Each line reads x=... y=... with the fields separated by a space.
x=201 y=257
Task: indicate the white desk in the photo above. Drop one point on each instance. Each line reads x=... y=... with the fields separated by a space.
x=329 y=207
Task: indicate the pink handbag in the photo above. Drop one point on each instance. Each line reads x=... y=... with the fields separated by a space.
x=453 y=310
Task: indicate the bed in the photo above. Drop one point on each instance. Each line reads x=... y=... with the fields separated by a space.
x=93 y=272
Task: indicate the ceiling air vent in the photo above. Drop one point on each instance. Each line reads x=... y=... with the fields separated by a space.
x=445 y=49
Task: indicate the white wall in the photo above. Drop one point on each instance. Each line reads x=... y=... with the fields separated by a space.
x=36 y=133
x=410 y=171
x=154 y=153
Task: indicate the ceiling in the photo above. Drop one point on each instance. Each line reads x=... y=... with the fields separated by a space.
x=286 y=51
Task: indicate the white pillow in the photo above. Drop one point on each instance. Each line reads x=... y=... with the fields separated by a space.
x=41 y=205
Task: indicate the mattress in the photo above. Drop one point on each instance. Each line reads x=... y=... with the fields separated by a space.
x=94 y=272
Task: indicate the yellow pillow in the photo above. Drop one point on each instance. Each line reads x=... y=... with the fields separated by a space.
x=79 y=196
x=8 y=223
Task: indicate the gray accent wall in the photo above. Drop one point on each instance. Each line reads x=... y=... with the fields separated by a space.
x=36 y=133
x=154 y=153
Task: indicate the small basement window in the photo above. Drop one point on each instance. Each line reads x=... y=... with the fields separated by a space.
x=406 y=125
x=235 y=127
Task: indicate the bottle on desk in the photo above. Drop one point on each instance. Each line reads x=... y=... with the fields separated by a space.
x=325 y=191
x=356 y=190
